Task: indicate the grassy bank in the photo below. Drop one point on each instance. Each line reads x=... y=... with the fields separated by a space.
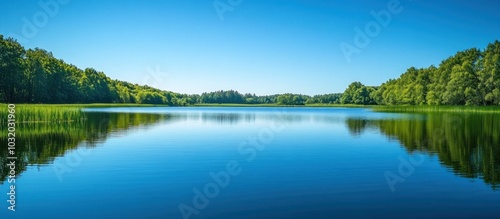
x=27 y=113
x=422 y=109
x=99 y=105
x=43 y=113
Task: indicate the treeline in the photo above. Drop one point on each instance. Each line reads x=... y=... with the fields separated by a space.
x=36 y=76
x=235 y=97
x=471 y=77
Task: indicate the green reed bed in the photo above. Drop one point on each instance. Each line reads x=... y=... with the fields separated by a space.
x=26 y=113
x=106 y=105
x=425 y=109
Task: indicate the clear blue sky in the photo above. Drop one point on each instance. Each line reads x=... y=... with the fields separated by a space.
x=261 y=46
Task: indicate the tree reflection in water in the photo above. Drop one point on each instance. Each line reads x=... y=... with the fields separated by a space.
x=469 y=144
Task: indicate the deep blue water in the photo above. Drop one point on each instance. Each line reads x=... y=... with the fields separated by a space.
x=268 y=163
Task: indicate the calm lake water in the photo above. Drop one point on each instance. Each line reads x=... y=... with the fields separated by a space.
x=257 y=163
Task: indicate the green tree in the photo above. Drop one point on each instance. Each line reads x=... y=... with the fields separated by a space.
x=11 y=70
x=489 y=74
x=357 y=93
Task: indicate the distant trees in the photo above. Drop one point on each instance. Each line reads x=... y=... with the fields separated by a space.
x=222 y=97
x=291 y=99
x=253 y=99
x=325 y=99
x=147 y=97
x=232 y=96
x=357 y=93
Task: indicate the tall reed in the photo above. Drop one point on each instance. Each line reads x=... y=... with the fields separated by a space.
x=424 y=109
x=27 y=113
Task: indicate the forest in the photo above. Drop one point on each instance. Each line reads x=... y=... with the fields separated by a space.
x=470 y=77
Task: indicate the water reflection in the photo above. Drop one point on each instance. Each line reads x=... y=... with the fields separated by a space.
x=356 y=126
x=468 y=144
x=40 y=143
x=226 y=118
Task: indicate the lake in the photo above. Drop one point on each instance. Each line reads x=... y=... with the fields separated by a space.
x=257 y=162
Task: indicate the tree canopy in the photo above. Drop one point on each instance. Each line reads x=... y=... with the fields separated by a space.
x=471 y=77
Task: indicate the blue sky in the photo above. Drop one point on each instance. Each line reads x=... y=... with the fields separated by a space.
x=261 y=46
